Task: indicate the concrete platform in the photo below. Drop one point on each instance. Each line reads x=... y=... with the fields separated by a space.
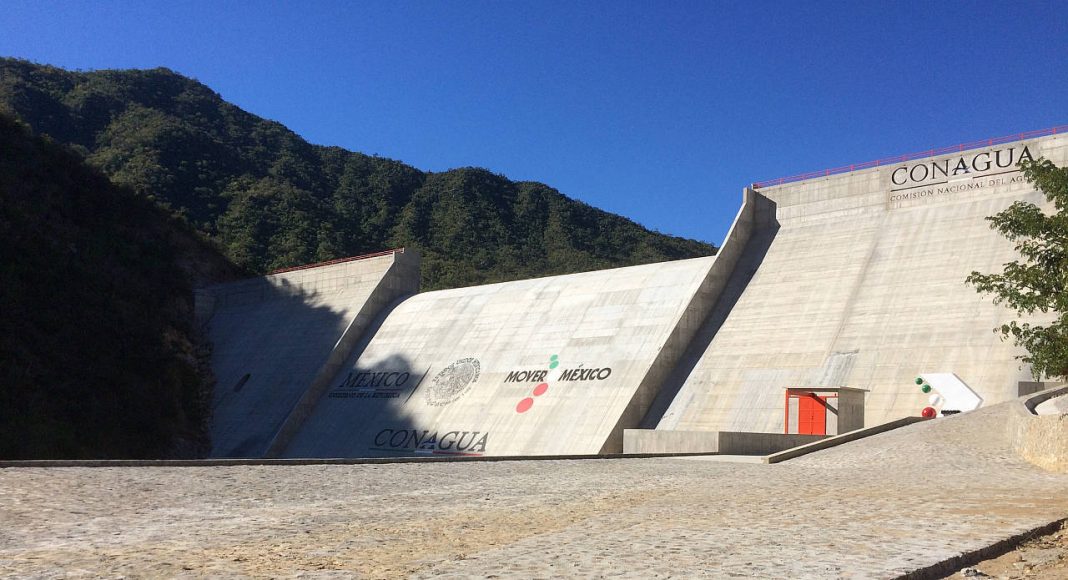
x=881 y=507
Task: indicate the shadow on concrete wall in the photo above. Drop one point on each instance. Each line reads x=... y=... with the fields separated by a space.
x=272 y=343
x=338 y=421
x=361 y=401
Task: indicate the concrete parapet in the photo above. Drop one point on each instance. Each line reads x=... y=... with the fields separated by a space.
x=654 y=441
x=722 y=442
x=1040 y=439
x=829 y=442
x=740 y=443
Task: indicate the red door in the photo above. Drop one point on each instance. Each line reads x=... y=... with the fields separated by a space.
x=812 y=415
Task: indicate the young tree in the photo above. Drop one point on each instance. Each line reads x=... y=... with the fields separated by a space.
x=1039 y=282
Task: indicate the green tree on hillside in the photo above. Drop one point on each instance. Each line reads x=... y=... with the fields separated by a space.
x=99 y=357
x=272 y=200
x=1038 y=283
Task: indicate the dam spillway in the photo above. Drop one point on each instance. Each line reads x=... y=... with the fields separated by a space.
x=849 y=280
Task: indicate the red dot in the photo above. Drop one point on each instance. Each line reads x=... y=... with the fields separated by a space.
x=540 y=389
x=524 y=405
x=928 y=412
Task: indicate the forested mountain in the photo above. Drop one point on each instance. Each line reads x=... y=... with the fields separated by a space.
x=122 y=190
x=98 y=357
x=272 y=200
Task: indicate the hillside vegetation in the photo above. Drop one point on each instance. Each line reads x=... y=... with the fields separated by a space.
x=272 y=200
x=120 y=191
x=98 y=357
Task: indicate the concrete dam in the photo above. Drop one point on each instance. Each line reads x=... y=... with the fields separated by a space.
x=849 y=284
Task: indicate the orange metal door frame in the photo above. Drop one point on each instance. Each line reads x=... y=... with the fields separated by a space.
x=804 y=393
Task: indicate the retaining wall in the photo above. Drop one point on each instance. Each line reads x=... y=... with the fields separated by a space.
x=1040 y=439
x=722 y=442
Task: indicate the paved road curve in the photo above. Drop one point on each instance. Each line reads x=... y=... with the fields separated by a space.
x=875 y=508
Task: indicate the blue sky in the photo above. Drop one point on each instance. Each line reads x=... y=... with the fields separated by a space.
x=659 y=111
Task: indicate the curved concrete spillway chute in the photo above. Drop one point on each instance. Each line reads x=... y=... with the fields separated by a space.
x=556 y=365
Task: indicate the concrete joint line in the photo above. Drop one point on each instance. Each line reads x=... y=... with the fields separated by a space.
x=858 y=283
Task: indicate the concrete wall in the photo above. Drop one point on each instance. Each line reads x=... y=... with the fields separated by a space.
x=721 y=442
x=850 y=411
x=851 y=280
x=860 y=283
x=1030 y=387
x=1041 y=439
x=557 y=365
x=278 y=337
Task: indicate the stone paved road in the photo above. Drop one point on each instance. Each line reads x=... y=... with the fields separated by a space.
x=875 y=508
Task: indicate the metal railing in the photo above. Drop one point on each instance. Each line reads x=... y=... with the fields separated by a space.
x=910 y=156
x=338 y=261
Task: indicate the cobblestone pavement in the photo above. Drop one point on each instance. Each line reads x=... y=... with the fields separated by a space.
x=875 y=508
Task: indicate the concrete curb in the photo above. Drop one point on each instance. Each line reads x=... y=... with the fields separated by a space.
x=840 y=439
x=1039 y=439
x=949 y=566
x=50 y=463
x=773 y=458
x=1036 y=399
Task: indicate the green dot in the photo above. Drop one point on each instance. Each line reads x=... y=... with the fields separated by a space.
x=554 y=357
x=926 y=388
x=919 y=380
x=553 y=365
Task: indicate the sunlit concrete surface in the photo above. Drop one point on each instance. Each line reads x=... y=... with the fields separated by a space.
x=859 y=281
x=548 y=366
x=874 y=508
x=851 y=280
